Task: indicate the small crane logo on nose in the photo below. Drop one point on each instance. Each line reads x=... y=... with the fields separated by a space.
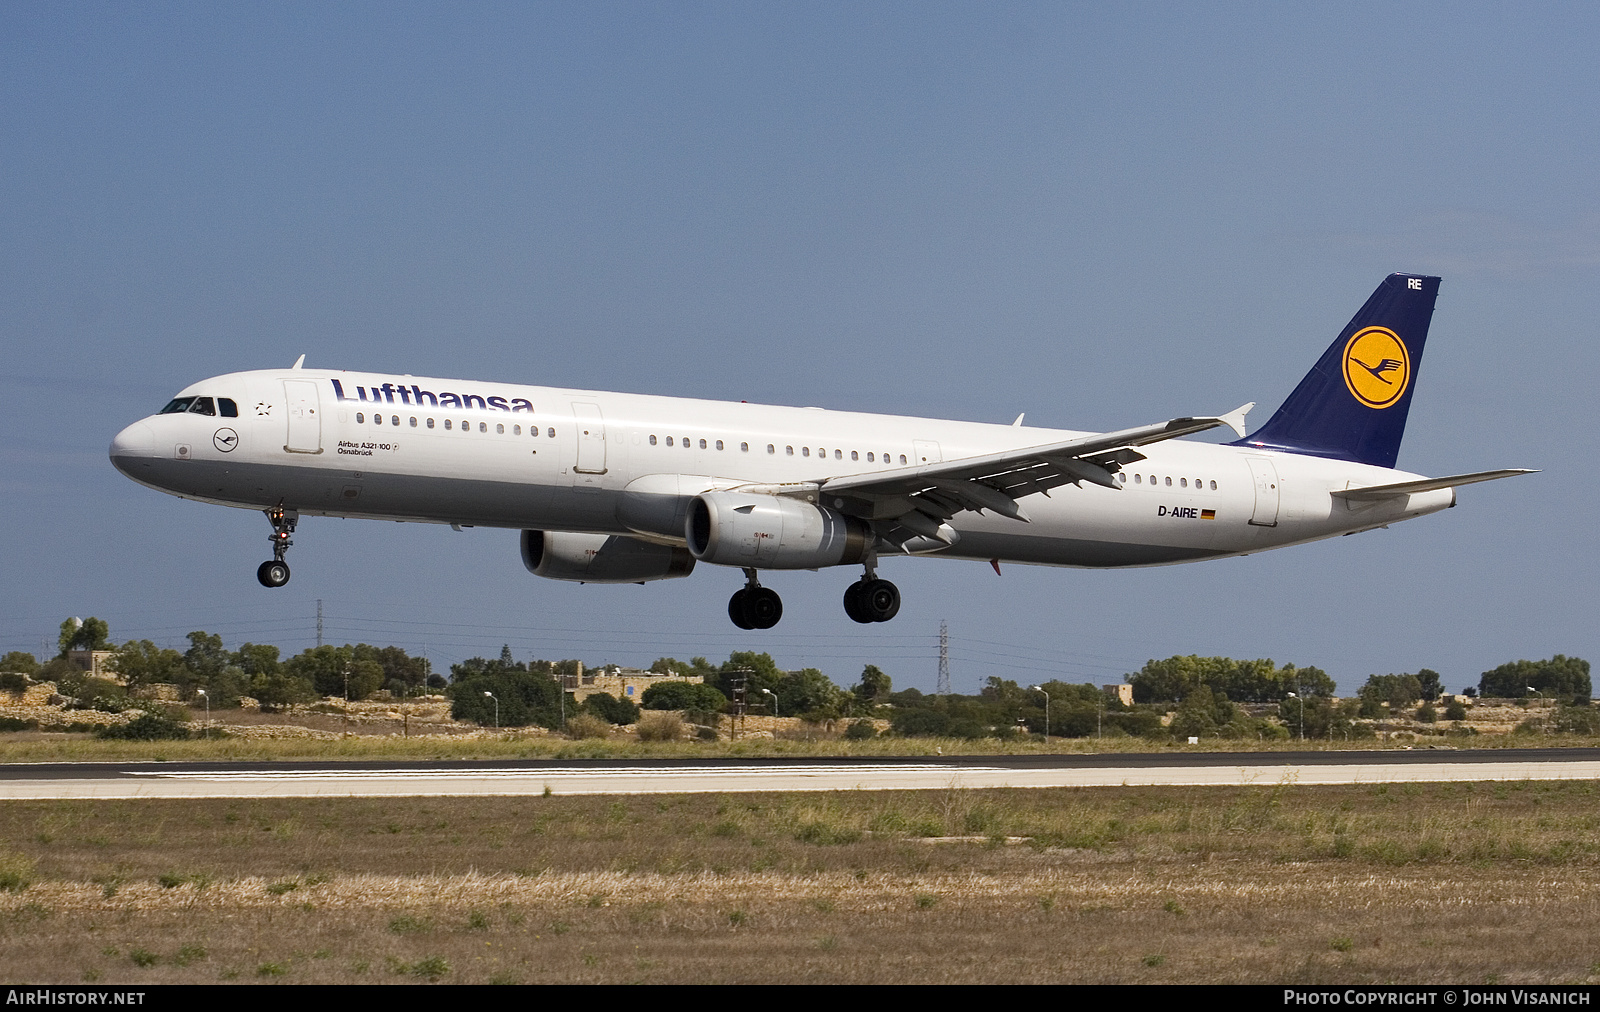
x=225 y=440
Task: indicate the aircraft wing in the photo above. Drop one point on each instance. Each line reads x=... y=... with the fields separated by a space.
x=1372 y=493
x=910 y=502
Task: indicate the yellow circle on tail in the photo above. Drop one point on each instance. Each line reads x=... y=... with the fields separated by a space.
x=1377 y=367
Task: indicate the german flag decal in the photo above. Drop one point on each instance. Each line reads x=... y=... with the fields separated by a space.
x=1208 y=514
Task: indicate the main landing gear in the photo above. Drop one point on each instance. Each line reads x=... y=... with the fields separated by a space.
x=870 y=599
x=755 y=607
x=275 y=572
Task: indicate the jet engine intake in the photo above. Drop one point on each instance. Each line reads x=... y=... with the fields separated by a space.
x=758 y=531
x=601 y=558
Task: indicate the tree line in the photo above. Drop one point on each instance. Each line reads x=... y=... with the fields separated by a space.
x=1206 y=696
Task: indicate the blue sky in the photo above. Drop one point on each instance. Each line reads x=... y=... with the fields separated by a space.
x=1101 y=215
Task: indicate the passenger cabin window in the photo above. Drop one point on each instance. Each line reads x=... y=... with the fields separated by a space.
x=744 y=447
x=551 y=433
x=703 y=444
x=413 y=421
x=430 y=423
x=854 y=455
x=483 y=426
x=516 y=430
x=788 y=451
x=360 y=418
x=394 y=419
x=176 y=406
x=1169 y=482
x=669 y=440
x=227 y=408
x=771 y=448
x=870 y=458
x=500 y=429
x=719 y=444
x=805 y=451
x=1183 y=482
x=447 y=424
x=902 y=458
x=652 y=440
x=1213 y=486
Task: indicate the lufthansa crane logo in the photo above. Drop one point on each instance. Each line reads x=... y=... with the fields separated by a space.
x=225 y=440
x=1377 y=367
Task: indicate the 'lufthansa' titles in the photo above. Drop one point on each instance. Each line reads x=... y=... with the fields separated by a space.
x=418 y=397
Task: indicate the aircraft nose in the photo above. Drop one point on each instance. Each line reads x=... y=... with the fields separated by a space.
x=136 y=442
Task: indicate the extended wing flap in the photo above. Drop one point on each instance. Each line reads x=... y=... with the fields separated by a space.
x=1373 y=493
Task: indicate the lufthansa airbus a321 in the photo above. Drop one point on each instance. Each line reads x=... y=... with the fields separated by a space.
x=627 y=488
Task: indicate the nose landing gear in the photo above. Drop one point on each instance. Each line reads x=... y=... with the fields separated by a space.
x=755 y=607
x=275 y=572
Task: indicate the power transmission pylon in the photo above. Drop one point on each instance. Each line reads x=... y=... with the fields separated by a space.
x=944 y=659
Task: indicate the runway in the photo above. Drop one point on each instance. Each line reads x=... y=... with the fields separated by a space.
x=44 y=781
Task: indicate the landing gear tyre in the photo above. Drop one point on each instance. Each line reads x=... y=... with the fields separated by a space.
x=273 y=574
x=879 y=600
x=736 y=609
x=853 y=604
x=762 y=607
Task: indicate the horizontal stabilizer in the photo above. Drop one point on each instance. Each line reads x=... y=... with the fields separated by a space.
x=1373 y=493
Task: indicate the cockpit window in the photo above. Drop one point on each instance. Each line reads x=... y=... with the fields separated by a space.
x=177 y=406
x=227 y=408
x=202 y=406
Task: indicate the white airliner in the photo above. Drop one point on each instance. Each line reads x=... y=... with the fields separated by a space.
x=626 y=488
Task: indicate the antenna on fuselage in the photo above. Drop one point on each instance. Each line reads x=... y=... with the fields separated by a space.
x=299 y=362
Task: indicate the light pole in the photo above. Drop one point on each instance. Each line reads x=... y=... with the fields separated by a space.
x=1046 y=696
x=202 y=694
x=774 y=695
x=1301 y=704
x=496 y=708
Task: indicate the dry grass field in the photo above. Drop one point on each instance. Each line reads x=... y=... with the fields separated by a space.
x=1453 y=882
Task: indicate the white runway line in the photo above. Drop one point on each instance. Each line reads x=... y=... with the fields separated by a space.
x=333 y=782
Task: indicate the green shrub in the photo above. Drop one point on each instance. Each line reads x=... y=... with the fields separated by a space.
x=1455 y=711
x=146 y=727
x=861 y=730
x=17 y=724
x=682 y=696
x=611 y=709
x=20 y=662
x=1426 y=714
x=13 y=682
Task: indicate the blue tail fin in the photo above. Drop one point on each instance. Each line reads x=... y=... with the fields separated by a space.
x=1353 y=404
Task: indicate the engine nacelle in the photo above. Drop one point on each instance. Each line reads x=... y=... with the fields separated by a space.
x=771 y=532
x=601 y=558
